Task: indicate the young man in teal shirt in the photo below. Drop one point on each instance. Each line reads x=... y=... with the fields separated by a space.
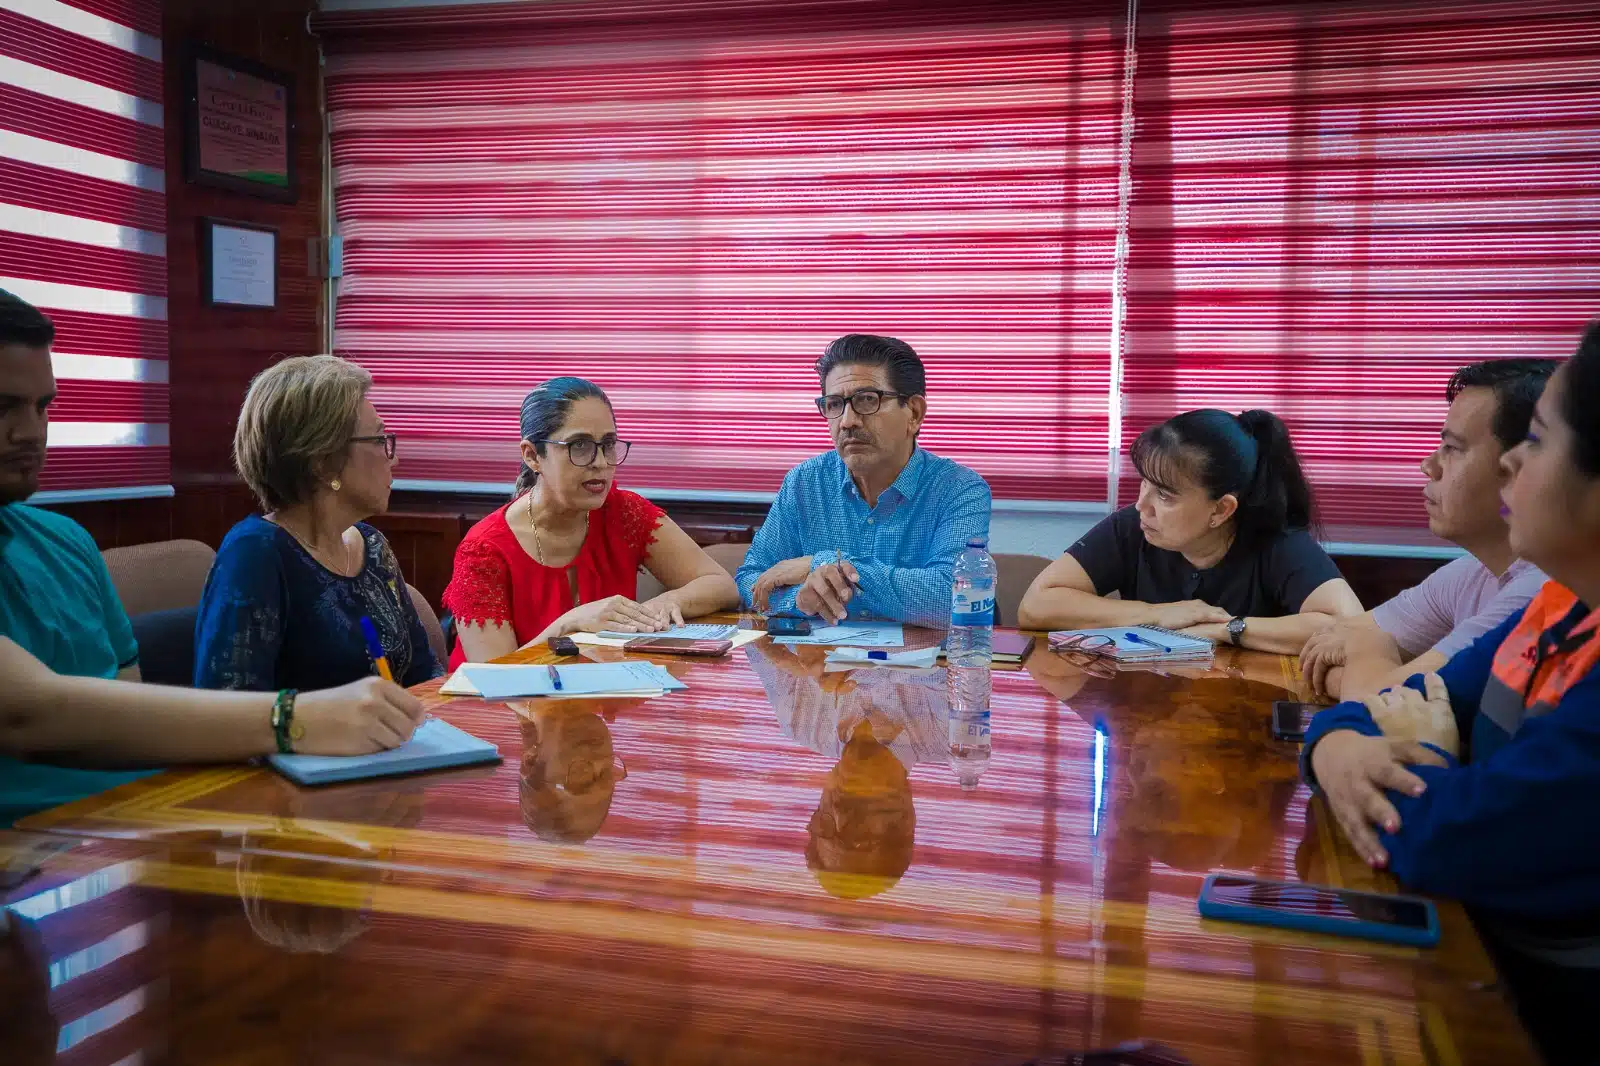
x=56 y=598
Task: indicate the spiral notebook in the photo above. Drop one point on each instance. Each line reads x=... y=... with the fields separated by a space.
x=436 y=745
x=1134 y=644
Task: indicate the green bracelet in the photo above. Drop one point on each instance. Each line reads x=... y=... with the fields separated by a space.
x=283 y=727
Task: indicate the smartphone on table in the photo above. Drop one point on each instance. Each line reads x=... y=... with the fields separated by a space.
x=1290 y=720
x=783 y=625
x=1320 y=909
x=679 y=646
x=563 y=645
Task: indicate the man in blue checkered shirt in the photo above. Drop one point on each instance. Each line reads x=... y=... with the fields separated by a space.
x=872 y=528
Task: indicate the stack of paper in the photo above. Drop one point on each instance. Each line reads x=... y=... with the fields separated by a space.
x=740 y=637
x=632 y=678
x=847 y=658
x=856 y=634
x=692 y=631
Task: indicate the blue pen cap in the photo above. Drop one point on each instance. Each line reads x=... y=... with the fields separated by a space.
x=370 y=631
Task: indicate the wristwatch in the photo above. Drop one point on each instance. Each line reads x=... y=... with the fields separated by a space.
x=1236 y=631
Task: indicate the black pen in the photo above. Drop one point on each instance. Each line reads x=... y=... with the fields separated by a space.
x=555 y=678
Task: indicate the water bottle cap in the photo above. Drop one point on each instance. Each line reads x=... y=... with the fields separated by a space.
x=978 y=542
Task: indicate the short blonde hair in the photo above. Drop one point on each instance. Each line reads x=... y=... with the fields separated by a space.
x=297 y=419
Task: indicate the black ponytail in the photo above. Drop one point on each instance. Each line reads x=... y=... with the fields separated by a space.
x=1249 y=457
x=1279 y=496
x=544 y=411
x=1578 y=405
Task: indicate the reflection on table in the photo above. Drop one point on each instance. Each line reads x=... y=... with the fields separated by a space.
x=876 y=723
x=351 y=866
x=569 y=771
x=788 y=869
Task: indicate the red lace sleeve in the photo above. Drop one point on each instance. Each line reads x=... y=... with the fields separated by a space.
x=480 y=585
x=638 y=519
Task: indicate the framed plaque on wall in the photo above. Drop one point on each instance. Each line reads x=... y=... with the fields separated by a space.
x=238 y=125
x=238 y=264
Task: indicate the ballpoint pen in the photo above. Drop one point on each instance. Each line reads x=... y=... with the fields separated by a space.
x=555 y=678
x=375 y=649
x=1139 y=638
x=838 y=561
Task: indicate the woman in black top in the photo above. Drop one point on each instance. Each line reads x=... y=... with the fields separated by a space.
x=1218 y=546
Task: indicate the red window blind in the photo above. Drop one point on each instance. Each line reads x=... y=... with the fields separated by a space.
x=83 y=224
x=1336 y=205
x=1333 y=206
x=686 y=201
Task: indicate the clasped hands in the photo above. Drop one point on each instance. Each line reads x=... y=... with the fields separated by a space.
x=825 y=591
x=1332 y=647
x=1354 y=770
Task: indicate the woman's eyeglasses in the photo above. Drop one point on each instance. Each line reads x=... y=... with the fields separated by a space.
x=388 y=440
x=583 y=451
x=1092 y=643
x=1089 y=652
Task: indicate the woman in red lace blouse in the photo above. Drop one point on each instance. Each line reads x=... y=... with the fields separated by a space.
x=564 y=555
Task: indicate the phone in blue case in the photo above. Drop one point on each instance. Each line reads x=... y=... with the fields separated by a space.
x=1320 y=909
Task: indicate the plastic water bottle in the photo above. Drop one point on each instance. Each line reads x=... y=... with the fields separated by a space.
x=969 y=723
x=969 y=648
x=971 y=636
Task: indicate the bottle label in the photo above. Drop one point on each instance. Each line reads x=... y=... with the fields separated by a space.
x=970 y=731
x=972 y=609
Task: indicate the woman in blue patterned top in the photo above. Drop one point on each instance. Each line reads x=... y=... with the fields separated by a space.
x=283 y=605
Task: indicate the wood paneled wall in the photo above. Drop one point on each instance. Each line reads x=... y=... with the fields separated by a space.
x=214 y=352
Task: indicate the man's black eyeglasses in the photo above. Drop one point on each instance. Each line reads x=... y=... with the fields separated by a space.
x=388 y=440
x=864 y=401
x=583 y=451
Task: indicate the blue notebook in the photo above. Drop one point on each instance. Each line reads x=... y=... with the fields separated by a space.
x=436 y=745
x=1134 y=644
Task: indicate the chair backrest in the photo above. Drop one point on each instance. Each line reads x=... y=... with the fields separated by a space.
x=166 y=646
x=649 y=587
x=729 y=556
x=430 y=622
x=1014 y=573
x=162 y=576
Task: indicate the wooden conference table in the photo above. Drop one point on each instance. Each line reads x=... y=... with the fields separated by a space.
x=777 y=865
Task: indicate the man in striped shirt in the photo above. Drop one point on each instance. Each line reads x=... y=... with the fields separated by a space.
x=872 y=528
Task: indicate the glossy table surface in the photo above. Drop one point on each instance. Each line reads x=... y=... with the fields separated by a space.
x=777 y=865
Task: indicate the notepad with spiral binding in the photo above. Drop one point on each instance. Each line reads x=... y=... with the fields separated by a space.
x=436 y=745
x=1134 y=644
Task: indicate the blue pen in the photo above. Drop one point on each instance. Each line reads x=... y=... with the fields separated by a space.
x=375 y=649
x=1137 y=638
x=555 y=678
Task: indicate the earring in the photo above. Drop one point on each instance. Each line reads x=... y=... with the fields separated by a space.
x=336 y=484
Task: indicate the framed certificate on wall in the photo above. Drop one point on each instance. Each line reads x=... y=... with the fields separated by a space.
x=238 y=264
x=238 y=125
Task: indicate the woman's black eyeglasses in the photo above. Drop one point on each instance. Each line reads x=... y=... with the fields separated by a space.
x=583 y=451
x=388 y=440
x=864 y=401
